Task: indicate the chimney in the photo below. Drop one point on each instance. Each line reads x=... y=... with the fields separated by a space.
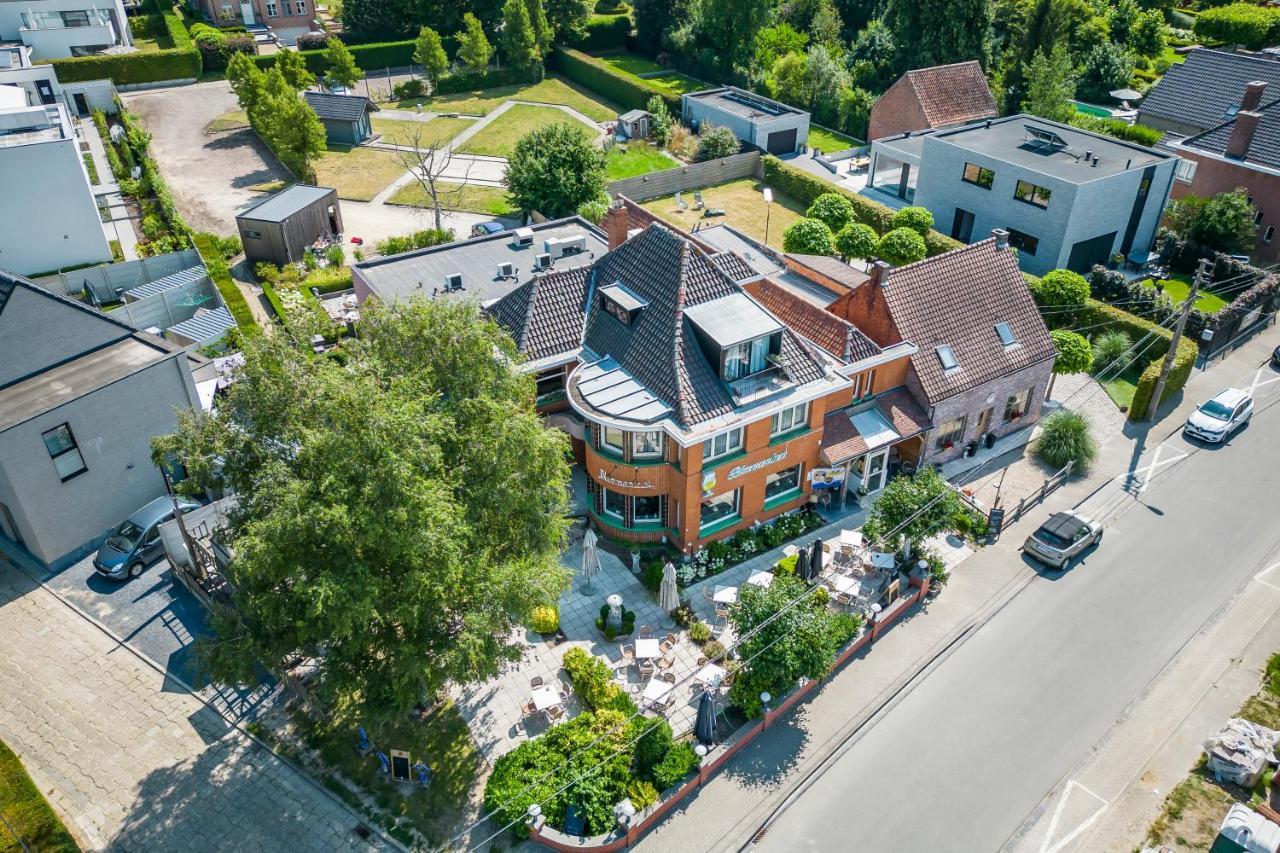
x=615 y=224
x=1002 y=238
x=1242 y=134
x=1253 y=95
x=879 y=271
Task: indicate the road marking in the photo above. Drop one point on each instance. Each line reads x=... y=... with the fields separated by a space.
x=1134 y=478
x=1057 y=815
x=1268 y=570
x=1258 y=383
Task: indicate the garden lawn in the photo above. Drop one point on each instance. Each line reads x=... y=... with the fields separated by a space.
x=26 y=813
x=828 y=141
x=357 y=173
x=744 y=209
x=640 y=158
x=234 y=120
x=551 y=90
x=500 y=137
x=432 y=134
x=631 y=65
x=472 y=198
x=1179 y=288
x=1122 y=388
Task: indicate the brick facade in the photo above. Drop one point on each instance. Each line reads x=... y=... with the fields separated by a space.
x=993 y=395
x=896 y=111
x=1215 y=176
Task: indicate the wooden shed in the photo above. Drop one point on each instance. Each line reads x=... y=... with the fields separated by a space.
x=345 y=117
x=279 y=229
x=634 y=124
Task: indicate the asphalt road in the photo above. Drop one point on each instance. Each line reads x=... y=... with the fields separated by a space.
x=971 y=751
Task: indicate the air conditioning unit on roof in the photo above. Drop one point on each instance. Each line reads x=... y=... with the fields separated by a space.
x=522 y=237
x=453 y=281
x=506 y=270
x=544 y=261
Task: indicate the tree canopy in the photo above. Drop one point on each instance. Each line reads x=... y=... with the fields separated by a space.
x=1223 y=223
x=341 y=64
x=398 y=515
x=938 y=32
x=1061 y=289
x=519 y=42
x=429 y=52
x=921 y=505
x=856 y=240
x=1051 y=84
x=833 y=209
x=808 y=237
x=901 y=246
x=555 y=170
x=1075 y=355
x=474 y=49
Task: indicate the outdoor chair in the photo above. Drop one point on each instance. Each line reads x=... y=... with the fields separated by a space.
x=528 y=708
x=666 y=647
x=646 y=667
x=669 y=677
x=628 y=655
x=722 y=612
x=554 y=713
x=845 y=600
x=535 y=682
x=680 y=202
x=702 y=661
x=646 y=633
x=665 y=663
x=697 y=201
x=673 y=639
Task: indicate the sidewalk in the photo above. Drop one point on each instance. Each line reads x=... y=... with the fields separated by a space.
x=760 y=777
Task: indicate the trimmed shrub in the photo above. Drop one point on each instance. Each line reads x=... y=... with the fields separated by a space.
x=369 y=57
x=901 y=246
x=808 y=237
x=628 y=92
x=593 y=682
x=1065 y=437
x=856 y=240
x=833 y=209
x=406 y=89
x=1108 y=348
x=455 y=83
x=642 y=794
x=545 y=619
x=678 y=763
x=716 y=143
x=1239 y=23
x=652 y=746
x=604 y=33
x=312 y=41
x=125 y=69
x=918 y=219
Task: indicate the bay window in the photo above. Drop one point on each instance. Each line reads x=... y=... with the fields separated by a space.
x=646 y=445
x=612 y=438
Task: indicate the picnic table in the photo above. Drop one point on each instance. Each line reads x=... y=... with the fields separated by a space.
x=656 y=690
x=711 y=675
x=725 y=595
x=761 y=578
x=545 y=698
x=648 y=649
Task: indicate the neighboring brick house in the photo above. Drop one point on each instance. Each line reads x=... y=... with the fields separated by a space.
x=984 y=355
x=1243 y=152
x=288 y=19
x=941 y=96
x=1204 y=91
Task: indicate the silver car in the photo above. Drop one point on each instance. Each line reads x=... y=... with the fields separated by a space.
x=1063 y=537
x=1217 y=419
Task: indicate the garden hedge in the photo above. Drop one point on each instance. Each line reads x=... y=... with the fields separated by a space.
x=804 y=188
x=486 y=79
x=604 y=32
x=221 y=277
x=369 y=57
x=623 y=90
x=125 y=69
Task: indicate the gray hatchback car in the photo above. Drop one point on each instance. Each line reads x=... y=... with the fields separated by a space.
x=1062 y=538
x=135 y=544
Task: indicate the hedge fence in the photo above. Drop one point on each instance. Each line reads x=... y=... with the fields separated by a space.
x=604 y=32
x=369 y=57
x=180 y=62
x=804 y=188
x=623 y=90
x=220 y=274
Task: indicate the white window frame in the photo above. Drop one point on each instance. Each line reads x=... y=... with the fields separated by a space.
x=636 y=518
x=789 y=420
x=636 y=438
x=1185 y=171
x=604 y=504
x=735 y=495
x=604 y=439
x=300 y=6
x=273 y=9
x=773 y=475
x=732 y=444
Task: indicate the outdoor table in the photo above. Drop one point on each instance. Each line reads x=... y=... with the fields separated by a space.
x=545 y=697
x=851 y=537
x=711 y=675
x=764 y=579
x=656 y=690
x=648 y=649
x=725 y=595
x=881 y=560
x=843 y=585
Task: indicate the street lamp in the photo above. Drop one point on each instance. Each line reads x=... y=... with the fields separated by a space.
x=765 y=699
x=768 y=211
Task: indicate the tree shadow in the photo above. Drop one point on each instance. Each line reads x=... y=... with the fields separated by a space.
x=771 y=757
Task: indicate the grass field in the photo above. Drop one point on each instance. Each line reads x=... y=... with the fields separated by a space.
x=433 y=133
x=744 y=209
x=633 y=66
x=499 y=138
x=234 y=120
x=828 y=141
x=1122 y=388
x=357 y=173
x=552 y=90
x=26 y=813
x=473 y=198
x=1179 y=288
x=640 y=158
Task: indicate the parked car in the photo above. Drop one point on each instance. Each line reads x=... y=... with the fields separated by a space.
x=1275 y=358
x=135 y=543
x=484 y=229
x=1062 y=538
x=1217 y=419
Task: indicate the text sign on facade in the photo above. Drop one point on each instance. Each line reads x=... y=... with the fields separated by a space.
x=738 y=470
x=626 y=484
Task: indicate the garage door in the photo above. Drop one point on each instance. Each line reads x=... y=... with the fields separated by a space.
x=782 y=142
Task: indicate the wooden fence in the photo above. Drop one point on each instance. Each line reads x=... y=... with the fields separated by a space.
x=691 y=177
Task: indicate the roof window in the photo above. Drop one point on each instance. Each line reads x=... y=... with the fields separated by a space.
x=1006 y=334
x=947 y=357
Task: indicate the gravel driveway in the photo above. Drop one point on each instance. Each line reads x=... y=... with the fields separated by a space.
x=208 y=174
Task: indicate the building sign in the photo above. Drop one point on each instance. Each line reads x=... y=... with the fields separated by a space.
x=626 y=484
x=738 y=470
x=708 y=483
x=826 y=478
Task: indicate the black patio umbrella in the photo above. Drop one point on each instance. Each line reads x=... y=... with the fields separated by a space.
x=705 y=728
x=802 y=564
x=815 y=559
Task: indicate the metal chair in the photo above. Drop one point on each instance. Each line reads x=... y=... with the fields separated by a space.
x=554 y=713
x=528 y=708
x=535 y=682
x=646 y=633
x=665 y=663
x=646 y=666
x=673 y=639
x=666 y=647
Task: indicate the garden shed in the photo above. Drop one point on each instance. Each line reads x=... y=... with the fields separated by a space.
x=769 y=125
x=345 y=117
x=634 y=124
x=279 y=229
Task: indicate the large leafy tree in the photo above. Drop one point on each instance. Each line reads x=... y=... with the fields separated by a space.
x=937 y=32
x=519 y=41
x=1224 y=223
x=798 y=641
x=398 y=516
x=568 y=18
x=554 y=170
x=341 y=63
x=1106 y=67
x=772 y=43
x=474 y=49
x=543 y=33
x=912 y=509
x=901 y=246
x=293 y=68
x=653 y=19
x=1051 y=84
x=808 y=237
x=429 y=52
x=727 y=28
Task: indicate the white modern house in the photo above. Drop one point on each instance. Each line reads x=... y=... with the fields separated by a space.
x=50 y=219
x=57 y=29
x=39 y=82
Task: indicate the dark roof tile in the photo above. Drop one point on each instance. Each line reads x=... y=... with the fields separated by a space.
x=339 y=107
x=1200 y=90
x=1264 y=150
x=545 y=314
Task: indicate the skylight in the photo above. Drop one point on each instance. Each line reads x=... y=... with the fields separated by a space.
x=947 y=357
x=1005 y=333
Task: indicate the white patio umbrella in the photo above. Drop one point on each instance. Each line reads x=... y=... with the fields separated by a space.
x=590 y=559
x=668 y=596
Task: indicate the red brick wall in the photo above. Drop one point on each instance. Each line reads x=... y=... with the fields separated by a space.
x=867 y=309
x=1215 y=176
x=896 y=111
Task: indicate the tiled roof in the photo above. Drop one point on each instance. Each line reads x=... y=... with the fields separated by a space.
x=832 y=268
x=544 y=315
x=339 y=107
x=956 y=299
x=730 y=264
x=841 y=439
x=1264 y=150
x=658 y=349
x=733 y=266
x=953 y=94
x=1200 y=90
x=835 y=335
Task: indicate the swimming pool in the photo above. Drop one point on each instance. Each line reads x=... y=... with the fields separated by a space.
x=1093 y=110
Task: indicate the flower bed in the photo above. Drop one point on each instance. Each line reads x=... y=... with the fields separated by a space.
x=718 y=556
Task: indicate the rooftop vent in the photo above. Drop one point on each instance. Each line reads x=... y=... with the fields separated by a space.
x=521 y=237
x=543 y=261
x=947 y=357
x=1005 y=334
x=453 y=281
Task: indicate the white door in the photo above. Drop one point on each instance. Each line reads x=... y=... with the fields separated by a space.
x=246 y=12
x=877 y=470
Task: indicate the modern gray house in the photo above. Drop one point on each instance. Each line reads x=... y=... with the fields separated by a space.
x=278 y=229
x=762 y=122
x=81 y=395
x=345 y=117
x=1068 y=198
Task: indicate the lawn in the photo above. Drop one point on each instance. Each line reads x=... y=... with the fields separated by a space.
x=1179 y=288
x=744 y=209
x=631 y=65
x=432 y=134
x=26 y=813
x=640 y=158
x=828 y=141
x=234 y=120
x=499 y=138
x=357 y=173
x=1122 y=388
x=551 y=90
x=472 y=198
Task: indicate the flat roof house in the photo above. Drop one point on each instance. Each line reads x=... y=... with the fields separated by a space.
x=279 y=228
x=761 y=122
x=58 y=29
x=50 y=217
x=941 y=96
x=1068 y=198
x=345 y=117
x=81 y=395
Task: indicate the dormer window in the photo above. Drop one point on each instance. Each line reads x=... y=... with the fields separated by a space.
x=745 y=359
x=947 y=357
x=1005 y=334
x=737 y=336
x=621 y=302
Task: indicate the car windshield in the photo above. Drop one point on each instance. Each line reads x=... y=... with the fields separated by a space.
x=125 y=537
x=1214 y=409
x=1050 y=538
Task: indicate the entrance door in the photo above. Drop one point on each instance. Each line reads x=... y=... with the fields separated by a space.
x=984 y=424
x=45 y=88
x=246 y=12
x=82 y=104
x=962 y=225
x=877 y=470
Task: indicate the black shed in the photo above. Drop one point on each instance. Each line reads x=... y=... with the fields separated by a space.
x=279 y=229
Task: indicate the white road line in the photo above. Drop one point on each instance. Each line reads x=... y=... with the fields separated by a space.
x=1259 y=383
x=1268 y=570
x=1080 y=828
x=1135 y=475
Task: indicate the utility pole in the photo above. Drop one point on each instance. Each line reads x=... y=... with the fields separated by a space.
x=1201 y=279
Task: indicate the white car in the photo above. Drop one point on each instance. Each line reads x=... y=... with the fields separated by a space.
x=1217 y=419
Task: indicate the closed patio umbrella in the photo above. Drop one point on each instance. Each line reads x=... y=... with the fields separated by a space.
x=590 y=559
x=802 y=564
x=705 y=728
x=815 y=559
x=668 y=595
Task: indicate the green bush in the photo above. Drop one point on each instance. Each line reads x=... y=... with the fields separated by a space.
x=699 y=632
x=1239 y=23
x=1108 y=348
x=856 y=240
x=406 y=89
x=623 y=90
x=593 y=682
x=901 y=246
x=1183 y=363
x=833 y=209
x=918 y=219
x=375 y=56
x=716 y=143
x=713 y=649
x=786 y=566
x=652 y=576
x=207 y=245
x=808 y=237
x=128 y=68
x=454 y=83
x=417 y=240
x=642 y=794
x=653 y=741
x=604 y=33
x=1066 y=437
x=678 y=763
x=545 y=619
x=1118 y=128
